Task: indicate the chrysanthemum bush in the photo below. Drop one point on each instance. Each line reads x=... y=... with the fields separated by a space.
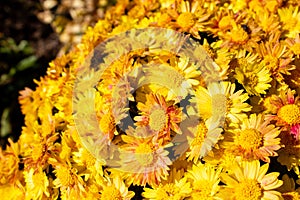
x=167 y=99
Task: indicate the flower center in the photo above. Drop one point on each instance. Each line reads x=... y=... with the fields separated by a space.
x=186 y=20
x=202 y=189
x=168 y=191
x=239 y=35
x=225 y=22
x=201 y=134
x=251 y=79
x=249 y=139
x=219 y=104
x=290 y=114
x=157 y=119
x=173 y=78
x=248 y=190
x=270 y=62
x=111 y=193
x=64 y=176
x=144 y=154
x=106 y=123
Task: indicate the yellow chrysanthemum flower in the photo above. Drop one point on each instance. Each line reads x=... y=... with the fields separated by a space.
x=143 y=157
x=12 y=192
x=255 y=78
x=36 y=184
x=249 y=182
x=159 y=115
x=205 y=180
x=115 y=189
x=178 y=190
x=254 y=139
x=202 y=138
x=220 y=100
x=290 y=18
x=287 y=109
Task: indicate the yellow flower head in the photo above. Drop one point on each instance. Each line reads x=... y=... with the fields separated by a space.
x=254 y=77
x=179 y=189
x=205 y=180
x=250 y=181
x=143 y=157
x=254 y=139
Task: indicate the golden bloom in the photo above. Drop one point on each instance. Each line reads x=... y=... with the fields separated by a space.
x=290 y=18
x=186 y=20
x=159 y=115
x=36 y=184
x=9 y=164
x=250 y=181
x=202 y=138
x=205 y=180
x=177 y=190
x=254 y=77
x=143 y=157
x=287 y=109
x=220 y=100
x=254 y=139
x=222 y=157
x=12 y=192
x=115 y=189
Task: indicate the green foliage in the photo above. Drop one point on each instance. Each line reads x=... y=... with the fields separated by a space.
x=17 y=61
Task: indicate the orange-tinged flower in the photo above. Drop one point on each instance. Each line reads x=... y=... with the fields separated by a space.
x=143 y=157
x=254 y=139
x=287 y=109
x=159 y=115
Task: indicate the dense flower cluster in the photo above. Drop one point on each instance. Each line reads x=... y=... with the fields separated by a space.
x=241 y=128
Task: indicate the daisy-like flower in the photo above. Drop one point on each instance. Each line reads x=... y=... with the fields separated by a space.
x=287 y=109
x=255 y=138
x=205 y=180
x=202 y=138
x=36 y=184
x=68 y=180
x=115 y=189
x=9 y=163
x=222 y=157
x=290 y=18
x=249 y=182
x=177 y=190
x=221 y=100
x=192 y=16
x=179 y=76
x=275 y=56
x=159 y=115
x=254 y=77
x=143 y=157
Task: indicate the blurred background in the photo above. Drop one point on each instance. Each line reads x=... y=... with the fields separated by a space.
x=32 y=33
